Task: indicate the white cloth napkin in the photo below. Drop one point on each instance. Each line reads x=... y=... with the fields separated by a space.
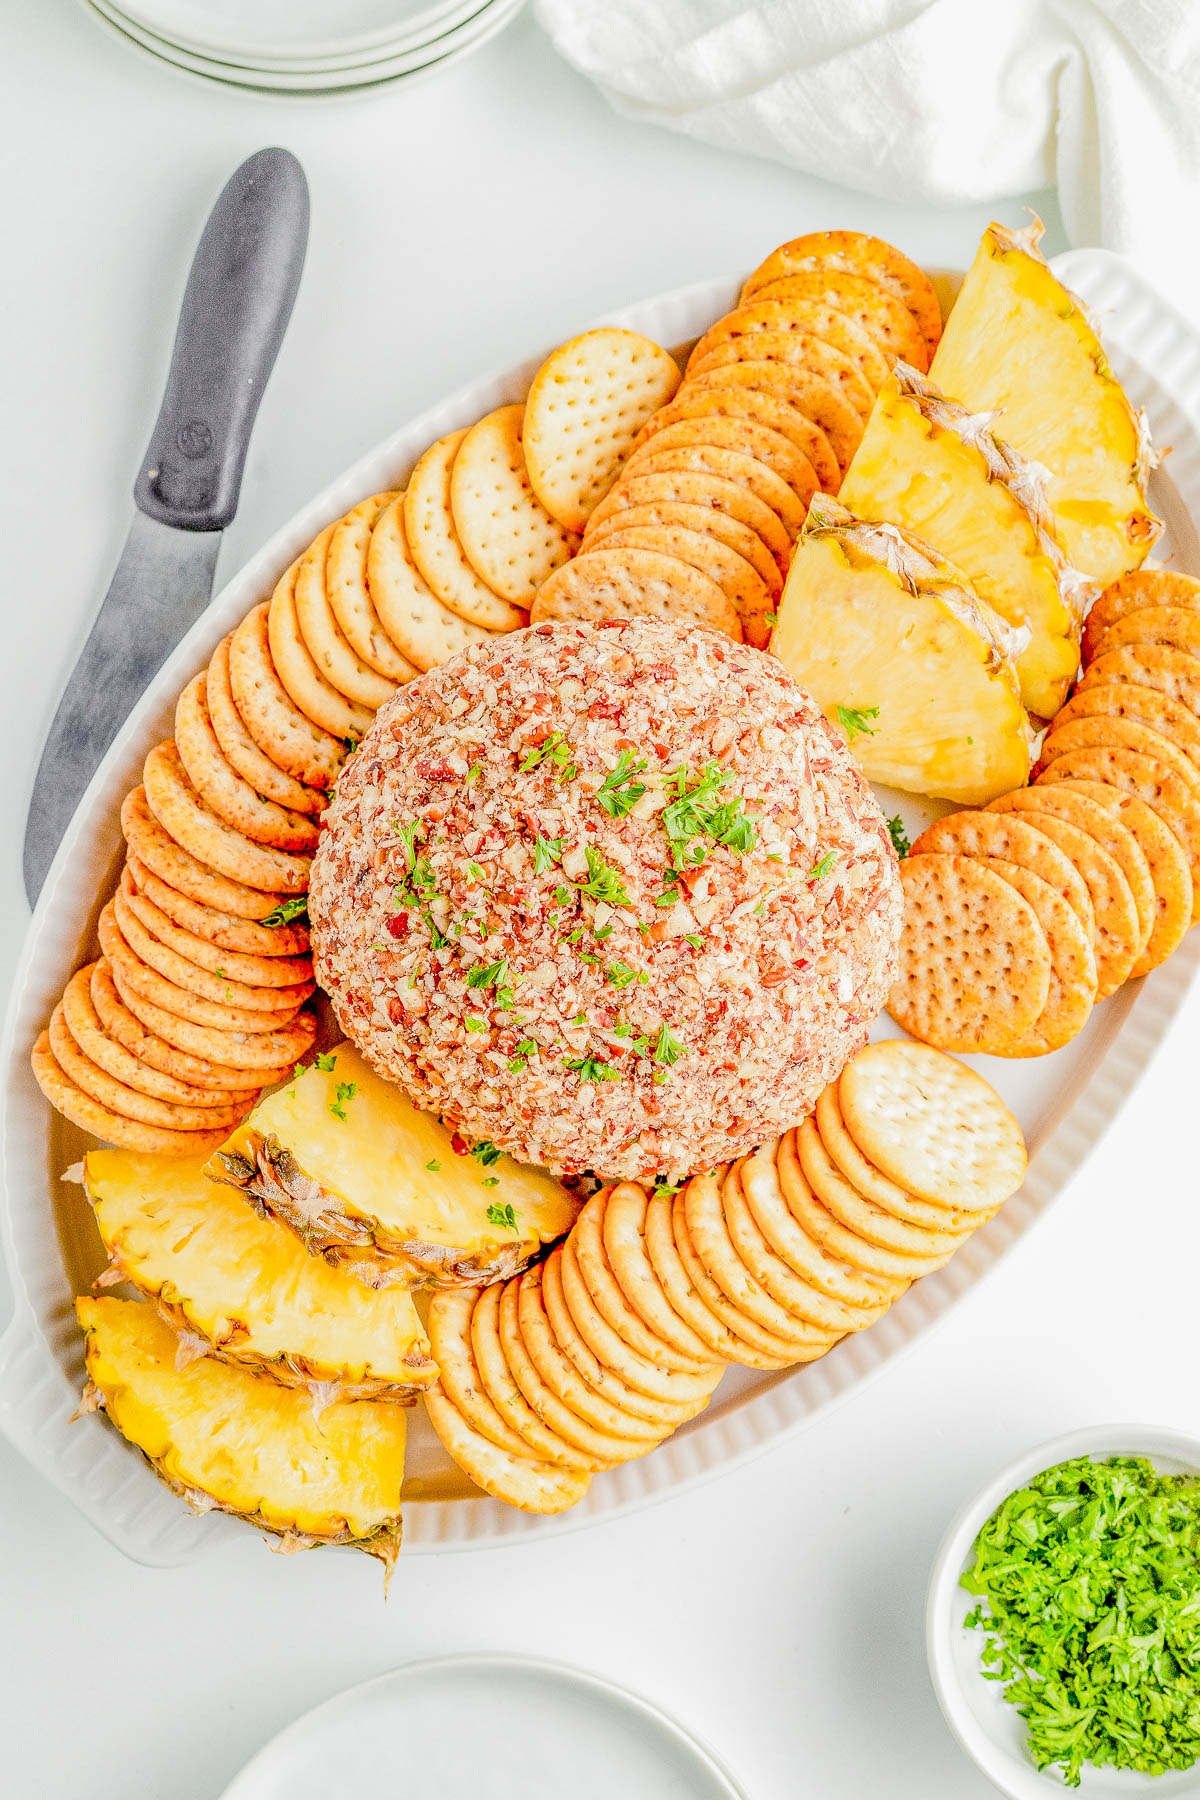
x=936 y=100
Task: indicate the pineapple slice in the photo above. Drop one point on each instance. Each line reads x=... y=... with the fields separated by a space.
x=230 y=1439
x=1019 y=342
x=246 y=1286
x=895 y=647
x=928 y=465
x=384 y=1191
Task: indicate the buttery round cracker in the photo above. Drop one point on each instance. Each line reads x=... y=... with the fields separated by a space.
x=335 y=658
x=1173 y=672
x=232 y=965
x=525 y=1482
x=768 y=1347
x=795 y=348
x=708 y=1234
x=255 y=1052
x=980 y=833
x=414 y=618
x=812 y=1213
x=509 y=538
x=932 y=1125
x=241 y=751
x=854 y=253
x=610 y=1349
x=108 y=1053
x=436 y=548
x=1104 y=732
x=449 y=1327
x=1144 y=706
x=563 y=1378
x=1149 y=780
x=716 y=495
x=845 y=1293
x=130 y=971
x=587 y=403
x=625 y=584
x=809 y=317
x=1176 y=626
x=709 y=521
x=156 y=848
x=737 y=579
x=606 y=1447
x=623 y=1229
x=1130 y=593
x=862 y=1216
x=730 y=401
x=221 y=788
x=349 y=589
x=131 y=1134
x=742 y=437
x=308 y=689
x=685 y=1299
x=502 y=1390
x=606 y=1294
x=874 y=1185
x=1116 y=925
x=223 y=930
x=730 y=465
x=193 y=978
x=1073 y=987
x=284 y=733
x=796 y=386
x=974 y=968
x=128 y=1030
x=129 y=1102
x=207 y=837
x=879 y=312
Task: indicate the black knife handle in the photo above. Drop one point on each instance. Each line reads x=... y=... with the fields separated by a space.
x=235 y=310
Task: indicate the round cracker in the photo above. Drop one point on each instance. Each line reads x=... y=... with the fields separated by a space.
x=146 y=839
x=223 y=789
x=610 y=1349
x=710 y=521
x=816 y=1218
x=1173 y=672
x=501 y=1388
x=743 y=437
x=686 y=1300
x=509 y=538
x=861 y=300
x=625 y=584
x=584 y=409
x=606 y=1448
x=810 y=317
x=449 y=1327
x=110 y=1127
x=1150 y=780
x=757 y=408
x=1176 y=626
x=1130 y=593
x=524 y=1482
x=436 y=548
x=1072 y=992
x=861 y=1216
x=854 y=253
x=874 y=1185
x=130 y=971
x=708 y=1235
x=316 y=698
x=1145 y=706
x=128 y=1030
x=737 y=579
x=334 y=656
x=1105 y=732
x=606 y=1294
x=252 y=971
x=192 y=977
x=1116 y=926
x=976 y=833
x=207 y=837
x=129 y=1102
x=284 y=733
x=427 y=632
x=974 y=967
x=348 y=586
x=109 y=1054
x=256 y=1052
x=729 y=465
x=623 y=1228
x=796 y=386
x=770 y=1349
x=223 y=930
x=932 y=1125
x=715 y=494
x=561 y=1375
x=795 y=348
x=240 y=750
x=843 y=1293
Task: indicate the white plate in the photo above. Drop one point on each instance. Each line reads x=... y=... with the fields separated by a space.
x=428 y=29
x=1064 y=1101
x=291 y=30
x=505 y=1727
x=990 y=1729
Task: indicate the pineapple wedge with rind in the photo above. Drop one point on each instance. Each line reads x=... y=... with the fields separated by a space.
x=1019 y=343
x=245 y=1286
x=228 y=1439
x=874 y=624
x=384 y=1191
x=928 y=465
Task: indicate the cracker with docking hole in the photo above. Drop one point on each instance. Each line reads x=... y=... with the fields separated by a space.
x=560 y=1374
x=207 y=837
x=744 y=438
x=509 y=538
x=1144 y=705
x=1149 y=780
x=1104 y=732
x=715 y=495
x=427 y=632
x=624 y=584
x=790 y=502
x=255 y=1052
x=129 y=971
x=502 y=1390
x=332 y=653
x=708 y=1234
x=241 y=751
x=223 y=990
x=737 y=579
x=124 y=1025
x=606 y=1448
x=1173 y=672
x=308 y=689
x=862 y=1216
x=449 y=1327
x=874 y=1185
x=111 y=1055
x=130 y=1102
x=1176 y=626
x=253 y=971
x=816 y=1218
x=1073 y=985
x=663 y=1254
x=610 y=1349
x=755 y=408
x=811 y=396
x=524 y=1482
x=799 y=317
x=766 y=1348
x=300 y=747
x=349 y=589
x=110 y=1127
x=854 y=253
x=1130 y=593
x=852 y=1293
x=606 y=1294
x=932 y=1125
x=146 y=839
x=974 y=967
x=886 y=319
x=975 y=833
x=435 y=546
x=795 y=349
x=223 y=930
x=222 y=788
x=624 y=1232
x=707 y=520
x=586 y=406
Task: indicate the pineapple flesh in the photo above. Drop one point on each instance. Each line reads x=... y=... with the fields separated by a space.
x=928 y=465
x=246 y=1286
x=1019 y=343
x=897 y=650
x=384 y=1191
x=228 y=1438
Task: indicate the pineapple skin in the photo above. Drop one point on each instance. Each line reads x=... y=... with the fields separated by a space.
x=1017 y=338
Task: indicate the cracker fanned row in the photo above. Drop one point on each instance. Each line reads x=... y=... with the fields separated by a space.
x=1019 y=918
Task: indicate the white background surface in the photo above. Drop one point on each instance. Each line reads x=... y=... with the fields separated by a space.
x=458 y=223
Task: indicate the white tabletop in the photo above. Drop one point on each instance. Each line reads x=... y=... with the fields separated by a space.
x=458 y=223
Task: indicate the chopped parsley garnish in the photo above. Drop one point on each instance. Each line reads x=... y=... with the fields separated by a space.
x=666 y=1190
x=350 y=744
x=488 y=975
x=410 y=836
x=771 y=618
x=694 y=939
x=898 y=835
x=1088 y=1582
x=620 y=792
x=605 y=931
x=564 y=895
x=825 y=867
x=525 y=1049
x=491 y=1181
x=503 y=1216
x=346 y=1090
x=603 y=883
x=553 y=749
x=853 y=721
x=475 y=872
x=327 y=1062
x=474 y=1024
x=592 y=1068
x=699 y=812
x=486 y=1151
x=620 y=974
x=668 y=1048
x=546 y=852
x=221 y=973
x=288 y=912
x=473 y=773
x=434 y=1166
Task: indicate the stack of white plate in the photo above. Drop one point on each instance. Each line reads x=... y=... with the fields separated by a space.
x=306 y=46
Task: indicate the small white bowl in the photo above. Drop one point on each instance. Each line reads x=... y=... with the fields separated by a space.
x=989 y=1727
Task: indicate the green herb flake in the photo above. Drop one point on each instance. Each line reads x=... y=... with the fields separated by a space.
x=698 y=811
x=825 y=867
x=898 y=835
x=288 y=912
x=475 y=872
x=619 y=792
x=488 y=975
x=491 y=1181
x=473 y=773
x=486 y=1152
x=603 y=882
x=327 y=1063
x=503 y=1216
x=546 y=852
x=554 y=749
x=474 y=1024
x=620 y=974
x=592 y=1068
x=668 y=1048
x=853 y=721
x=695 y=939
x=345 y=1090
x=666 y=1190
x=434 y=1166
x=410 y=836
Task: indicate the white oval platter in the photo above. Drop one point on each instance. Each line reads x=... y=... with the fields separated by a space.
x=1064 y=1102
